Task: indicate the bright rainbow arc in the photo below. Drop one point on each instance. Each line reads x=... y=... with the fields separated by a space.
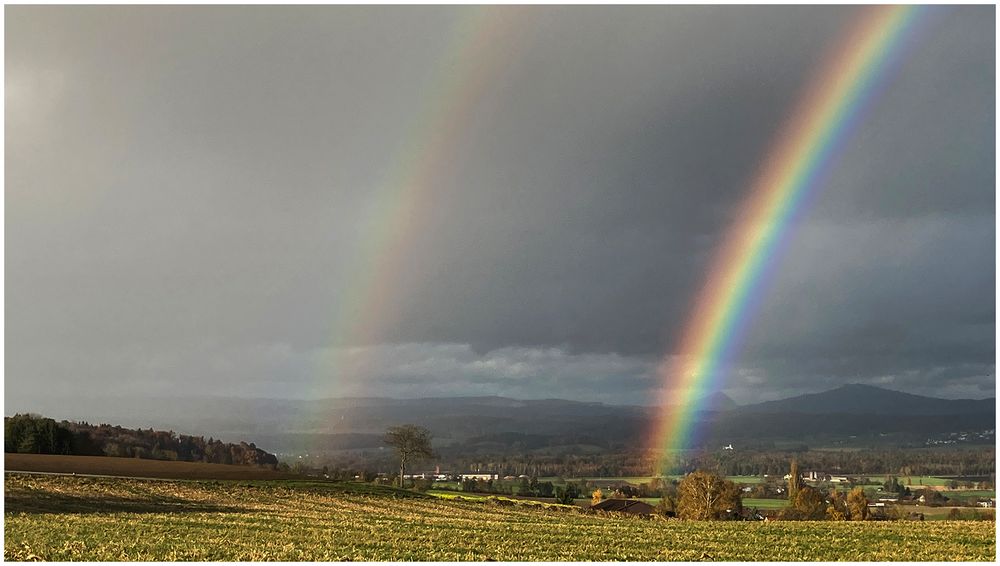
x=796 y=167
x=472 y=61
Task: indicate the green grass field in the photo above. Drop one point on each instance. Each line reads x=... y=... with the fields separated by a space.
x=969 y=493
x=77 y=518
x=941 y=513
x=646 y=479
x=911 y=481
x=750 y=503
x=747 y=479
x=918 y=481
x=629 y=479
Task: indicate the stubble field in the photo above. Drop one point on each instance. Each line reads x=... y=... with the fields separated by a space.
x=77 y=518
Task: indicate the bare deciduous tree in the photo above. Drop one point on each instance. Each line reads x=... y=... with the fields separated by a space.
x=411 y=442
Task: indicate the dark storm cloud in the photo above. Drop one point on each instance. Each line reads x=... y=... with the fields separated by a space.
x=186 y=187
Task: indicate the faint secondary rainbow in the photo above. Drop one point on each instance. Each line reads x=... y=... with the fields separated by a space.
x=480 y=47
x=795 y=168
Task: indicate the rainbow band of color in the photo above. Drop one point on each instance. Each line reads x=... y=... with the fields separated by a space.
x=472 y=62
x=795 y=168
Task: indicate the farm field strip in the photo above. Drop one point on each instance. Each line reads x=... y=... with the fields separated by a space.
x=634 y=480
x=135 y=467
x=921 y=481
x=967 y=493
x=646 y=479
x=750 y=503
x=70 y=518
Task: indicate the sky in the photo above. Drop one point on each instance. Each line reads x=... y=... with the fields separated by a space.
x=305 y=202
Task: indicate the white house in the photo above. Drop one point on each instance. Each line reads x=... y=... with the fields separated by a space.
x=487 y=476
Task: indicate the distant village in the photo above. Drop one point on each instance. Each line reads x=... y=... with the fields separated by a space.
x=438 y=475
x=625 y=498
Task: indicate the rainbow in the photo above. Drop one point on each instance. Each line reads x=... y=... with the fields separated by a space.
x=481 y=41
x=795 y=169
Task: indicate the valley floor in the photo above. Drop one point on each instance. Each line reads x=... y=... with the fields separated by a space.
x=79 y=518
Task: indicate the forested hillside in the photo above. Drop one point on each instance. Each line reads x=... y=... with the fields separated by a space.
x=33 y=434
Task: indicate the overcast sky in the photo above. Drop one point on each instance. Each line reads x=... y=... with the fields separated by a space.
x=192 y=191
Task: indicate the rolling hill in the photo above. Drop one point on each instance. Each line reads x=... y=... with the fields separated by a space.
x=857 y=399
x=499 y=424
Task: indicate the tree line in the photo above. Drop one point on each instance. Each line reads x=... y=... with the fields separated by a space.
x=908 y=461
x=33 y=434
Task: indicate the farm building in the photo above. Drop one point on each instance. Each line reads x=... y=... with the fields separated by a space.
x=487 y=476
x=435 y=475
x=420 y=476
x=633 y=506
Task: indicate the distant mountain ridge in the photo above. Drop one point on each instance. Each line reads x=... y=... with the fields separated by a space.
x=718 y=401
x=857 y=398
x=488 y=422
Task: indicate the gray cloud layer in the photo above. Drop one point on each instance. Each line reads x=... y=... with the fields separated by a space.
x=185 y=188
